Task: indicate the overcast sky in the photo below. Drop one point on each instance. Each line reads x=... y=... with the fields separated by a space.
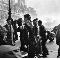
x=46 y=8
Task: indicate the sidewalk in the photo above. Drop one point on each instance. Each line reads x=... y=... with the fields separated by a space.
x=6 y=48
x=53 y=49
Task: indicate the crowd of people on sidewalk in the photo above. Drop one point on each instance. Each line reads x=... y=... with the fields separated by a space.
x=33 y=35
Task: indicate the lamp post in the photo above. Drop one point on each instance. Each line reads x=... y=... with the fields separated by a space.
x=9 y=11
x=9 y=21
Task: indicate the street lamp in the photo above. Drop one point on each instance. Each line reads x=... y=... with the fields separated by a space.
x=9 y=11
x=9 y=21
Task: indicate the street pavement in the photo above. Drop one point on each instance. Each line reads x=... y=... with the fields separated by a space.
x=52 y=48
x=4 y=49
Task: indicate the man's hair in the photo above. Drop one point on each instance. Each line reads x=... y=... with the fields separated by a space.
x=19 y=21
x=27 y=16
x=40 y=22
x=35 y=19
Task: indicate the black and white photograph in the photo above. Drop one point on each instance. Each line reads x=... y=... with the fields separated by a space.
x=29 y=28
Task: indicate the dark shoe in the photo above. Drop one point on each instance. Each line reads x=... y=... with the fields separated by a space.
x=44 y=56
x=58 y=56
x=47 y=53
